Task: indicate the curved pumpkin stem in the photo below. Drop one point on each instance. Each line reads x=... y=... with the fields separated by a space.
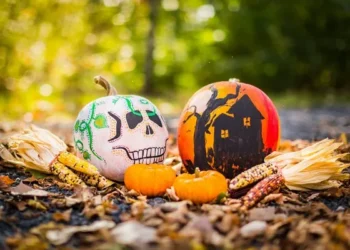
x=106 y=85
x=196 y=172
x=234 y=80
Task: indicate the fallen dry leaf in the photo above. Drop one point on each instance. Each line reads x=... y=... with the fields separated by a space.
x=138 y=207
x=253 y=229
x=173 y=206
x=41 y=229
x=262 y=214
x=21 y=205
x=81 y=195
x=37 y=204
x=200 y=229
x=27 y=243
x=64 y=216
x=25 y=190
x=133 y=233
x=313 y=196
x=278 y=198
x=170 y=192
x=59 y=237
x=5 y=181
x=227 y=222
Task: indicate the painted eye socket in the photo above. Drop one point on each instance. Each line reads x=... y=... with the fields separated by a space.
x=116 y=124
x=154 y=117
x=133 y=119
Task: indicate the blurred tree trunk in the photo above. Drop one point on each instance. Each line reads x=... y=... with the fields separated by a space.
x=149 y=62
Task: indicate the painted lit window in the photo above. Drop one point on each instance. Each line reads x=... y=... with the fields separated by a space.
x=224 y=133
x=246 y=122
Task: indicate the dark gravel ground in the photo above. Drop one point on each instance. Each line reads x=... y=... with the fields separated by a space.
x=314 y=123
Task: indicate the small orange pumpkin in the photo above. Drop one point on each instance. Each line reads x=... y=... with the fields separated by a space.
x=149 y=180
x=200 y=187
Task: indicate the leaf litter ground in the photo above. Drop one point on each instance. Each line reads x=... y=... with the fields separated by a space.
x=41 y=212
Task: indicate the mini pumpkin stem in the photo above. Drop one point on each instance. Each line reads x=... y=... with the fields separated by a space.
x=106 y=85
x=234 y=80
x=196 y=172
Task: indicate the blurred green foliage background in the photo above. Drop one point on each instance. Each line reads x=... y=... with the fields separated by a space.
x=50 y=50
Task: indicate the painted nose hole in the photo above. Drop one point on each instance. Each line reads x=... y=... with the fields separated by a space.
x=149 y=130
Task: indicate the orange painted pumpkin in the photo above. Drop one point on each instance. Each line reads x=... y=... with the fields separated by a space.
x=229 y=127
x=200 y=187
x=149 y=180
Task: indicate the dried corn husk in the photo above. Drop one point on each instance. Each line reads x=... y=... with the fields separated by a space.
x=314 y=167
x=321 y=173
x=324 y=148
x=34 y=148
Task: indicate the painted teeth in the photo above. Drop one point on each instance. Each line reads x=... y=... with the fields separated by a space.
x=148 y=155
x=149 y=160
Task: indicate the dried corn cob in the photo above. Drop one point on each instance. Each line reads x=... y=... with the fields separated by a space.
x=95 y=180
x=77 y=164
x=314 y=167
x=253 y=175
x=39 y=149
x=320 y=150
x=262 y=189
x=65 y=174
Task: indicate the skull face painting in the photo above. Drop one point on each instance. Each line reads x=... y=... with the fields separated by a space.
x=229 y=127
x=115 y=132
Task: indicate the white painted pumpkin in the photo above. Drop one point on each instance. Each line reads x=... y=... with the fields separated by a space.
x=116 y=131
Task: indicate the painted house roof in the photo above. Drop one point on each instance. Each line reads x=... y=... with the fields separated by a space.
x=245 y=107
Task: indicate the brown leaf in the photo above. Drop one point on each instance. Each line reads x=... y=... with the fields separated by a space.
x=278 y=198
x=41 y=229
x=138 y=207
x=173 y=206
x=37 y=204
x=299 y=234
x=59 y=237
x=5 y=181
x=21 y=205
x=106 y=207
x=81 y=194
x=30 y=179
x=27 y=243
x=64 y=216
x=215 y=215
x=201 y=229
x=313 y=196
x=153 y=222
x=263 y=214
x=133 y=233
x=227 y=222
x=272 y=230
x=253 y=229
x=26 y=190
x=318 y=228
x=170 y=192
x=132 y=192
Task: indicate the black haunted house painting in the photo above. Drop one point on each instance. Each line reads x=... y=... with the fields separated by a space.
x=238 y=142
x=238 y=135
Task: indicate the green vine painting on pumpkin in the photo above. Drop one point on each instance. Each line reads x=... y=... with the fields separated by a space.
x=84 y=126
x=127 y=99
